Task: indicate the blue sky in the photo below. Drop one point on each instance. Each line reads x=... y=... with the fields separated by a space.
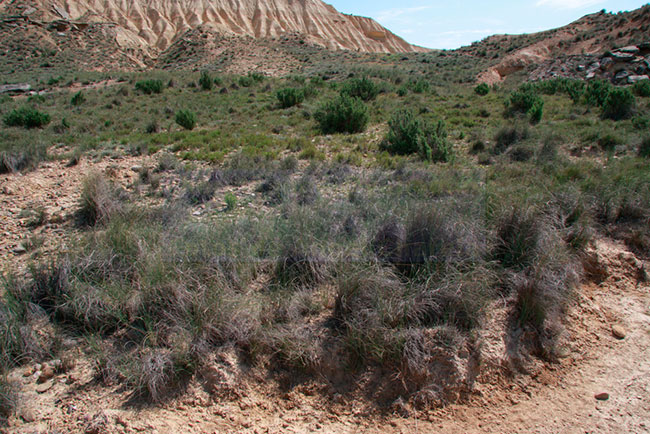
x=451 y=24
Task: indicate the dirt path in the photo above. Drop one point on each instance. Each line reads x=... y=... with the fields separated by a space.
x=558 y=398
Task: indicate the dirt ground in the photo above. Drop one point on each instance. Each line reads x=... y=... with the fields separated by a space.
x=555 y=398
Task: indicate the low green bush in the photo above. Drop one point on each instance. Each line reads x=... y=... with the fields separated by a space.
x=149 y=86
x=186 y=119
x=526 y=101
x=205 y=81
x=78 y=99
x=290 y=97
x=408 y=134
x=345 y=114
x=363 y=88
x=26 y=117
x=618 y=104
x=482 y=89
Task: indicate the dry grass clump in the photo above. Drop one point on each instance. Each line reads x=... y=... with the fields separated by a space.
x=99 y=201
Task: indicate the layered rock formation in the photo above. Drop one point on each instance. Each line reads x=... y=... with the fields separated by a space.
x=153 y=25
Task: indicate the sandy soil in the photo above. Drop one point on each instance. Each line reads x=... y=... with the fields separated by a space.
x=555 y=398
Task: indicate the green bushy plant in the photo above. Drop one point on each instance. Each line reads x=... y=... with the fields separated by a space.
x=618 y=104
x=482 y=89
x=290 y=97
x=525 y=100
x=26 y=117
x=78 y=99
x=363 y=88
x=344 y=114
x=596 y=93
x=231 y=201
x=206 y=81
x=186 y=119
x=408 y=134
x=149 y=86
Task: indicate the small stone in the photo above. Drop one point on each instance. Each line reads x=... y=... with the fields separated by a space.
x=618 y=331
x=20 y=249
x=29 y=371
x=136 y=168
x=603 y=396
x=42 y=388
x=27 y=415
x=46 y=374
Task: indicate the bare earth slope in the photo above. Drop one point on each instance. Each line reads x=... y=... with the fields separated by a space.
x=153 y=25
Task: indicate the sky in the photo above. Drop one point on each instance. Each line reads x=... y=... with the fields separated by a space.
x=452 y=24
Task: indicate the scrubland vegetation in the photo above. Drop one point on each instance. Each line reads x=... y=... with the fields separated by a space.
x=394 y=213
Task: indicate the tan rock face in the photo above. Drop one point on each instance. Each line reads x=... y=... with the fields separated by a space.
x=154 y=24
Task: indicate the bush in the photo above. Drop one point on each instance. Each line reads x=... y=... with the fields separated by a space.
x=363 y=88
x=78 y=99
x=408 y=134
x=7 y=399
x=343 y=115
x=186 y=119
x=26 y=117
x=618 y=104
x=644 y=149
x=290 y=97
x=149 y=86
x=526 y=101
x=482 y=89
x=231 y=201
x=205 y=81
x=536 y=111
x=642 y=88
x=596 y=92
x=98 y=202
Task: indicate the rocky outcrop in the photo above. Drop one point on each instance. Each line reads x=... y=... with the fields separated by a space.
x=623 y=66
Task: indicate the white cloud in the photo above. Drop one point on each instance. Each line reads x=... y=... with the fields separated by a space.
x=569 y=4
x=398 y=14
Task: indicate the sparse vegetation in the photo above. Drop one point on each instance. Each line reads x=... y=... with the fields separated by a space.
x=290 y=97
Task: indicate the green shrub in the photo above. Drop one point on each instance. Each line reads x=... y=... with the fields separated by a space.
x=596 y=93
x=78 y=99
x=186 y=119
x=402 y=91
x=618 y=104
x=26 y=117
x=482 y=89
x=345 y=114
x=525 y=100
x=149 y=86
x=644 y=149
x=536 y=111
x=419 y=86
x=231 y=201
x=205 y=81
x=290 y=97
x=642 y=88
x=408 y=134
x=363 y=88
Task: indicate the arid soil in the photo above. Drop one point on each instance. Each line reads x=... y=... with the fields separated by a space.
x=544 y=398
